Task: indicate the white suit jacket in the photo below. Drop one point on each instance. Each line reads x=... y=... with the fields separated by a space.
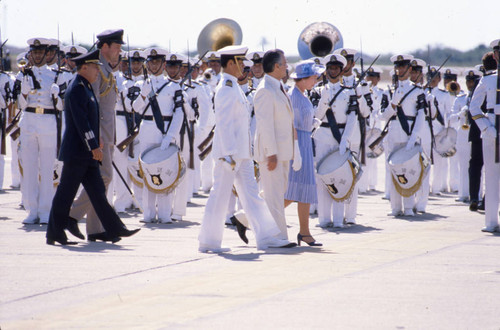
x=232 y=120
x=274 y=114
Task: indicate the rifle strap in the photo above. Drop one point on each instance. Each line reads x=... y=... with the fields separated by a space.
x=155 y=109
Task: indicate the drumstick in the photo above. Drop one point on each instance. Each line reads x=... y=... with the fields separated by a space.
x=126 y=185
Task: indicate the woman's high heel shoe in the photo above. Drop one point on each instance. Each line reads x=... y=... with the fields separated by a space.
x=300 y=239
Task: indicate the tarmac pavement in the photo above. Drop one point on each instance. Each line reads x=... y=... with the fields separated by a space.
x=431 y=271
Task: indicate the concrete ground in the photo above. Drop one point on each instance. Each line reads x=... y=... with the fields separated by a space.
x=432 y=271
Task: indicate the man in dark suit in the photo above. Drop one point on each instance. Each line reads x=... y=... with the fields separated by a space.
x=81 y=153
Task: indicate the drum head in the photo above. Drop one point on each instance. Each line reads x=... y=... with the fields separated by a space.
x=162 y=170
x=408 y=168
x=446 y=141
x=339 y=173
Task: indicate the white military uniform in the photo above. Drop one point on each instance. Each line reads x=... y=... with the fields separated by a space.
x=158 y=204
x=440 y=168
x=5 y=83
x=487 y=89
x=458 y=118
x=38 y=143
x=397 y=137
x=123 y=108
x=232 y=138
x=325 y=143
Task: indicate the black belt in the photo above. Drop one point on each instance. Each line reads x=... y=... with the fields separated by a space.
x=165 y=118
x=327 y=125
x=121 y=113
x=407 y=117
x=41 y=111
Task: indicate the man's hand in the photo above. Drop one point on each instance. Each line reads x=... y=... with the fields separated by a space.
x=272 y=162
x=97 y=154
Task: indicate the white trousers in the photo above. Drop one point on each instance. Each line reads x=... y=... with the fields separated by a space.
x=274 y=184
x=39 y=144
x=14 y=163
x=122 y=196
x=492 y=186
x=439 y=174
x=462 y=158
x=260 y=218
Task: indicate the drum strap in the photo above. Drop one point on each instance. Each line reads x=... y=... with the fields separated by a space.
x=155 y=108
x=401 y=114
x=439 y=116
x=332 y=122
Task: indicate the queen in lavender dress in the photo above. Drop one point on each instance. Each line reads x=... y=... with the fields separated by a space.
x=302 y=183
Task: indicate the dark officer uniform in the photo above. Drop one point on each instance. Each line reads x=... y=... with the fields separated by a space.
x=80 y=138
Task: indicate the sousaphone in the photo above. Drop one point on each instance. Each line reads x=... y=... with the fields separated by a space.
x=219 y=33
x=319 y=39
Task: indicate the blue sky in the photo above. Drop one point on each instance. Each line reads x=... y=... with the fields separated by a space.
x=383 y=26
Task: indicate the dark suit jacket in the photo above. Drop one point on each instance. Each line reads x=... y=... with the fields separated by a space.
x=82 y=121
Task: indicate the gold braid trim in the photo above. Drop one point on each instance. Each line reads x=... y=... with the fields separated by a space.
x=138 y=183
x=109 y=81
x=476 y=117
x=169 y=189
x=408 y=192
x=347 y=196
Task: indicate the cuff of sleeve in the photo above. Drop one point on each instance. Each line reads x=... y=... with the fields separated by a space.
x=91 y=140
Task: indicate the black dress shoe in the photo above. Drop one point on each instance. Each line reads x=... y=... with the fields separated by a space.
x=240 y=228
x=127 y=233
x=102 y=237
x=473 y=205
x=480 y=206
x=73 y=228
x=51 y=241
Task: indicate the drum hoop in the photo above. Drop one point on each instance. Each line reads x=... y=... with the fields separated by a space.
x=138 y=183
x=169 y=189
x=408 y=192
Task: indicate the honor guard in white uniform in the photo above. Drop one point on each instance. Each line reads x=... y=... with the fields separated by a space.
x=451 y=85
x=442 y=101
x=460 y=118
x=184 y=189
x=417 y=78
x=369 y=179
x=338 y=111
x=407 y=119
x=257 y=70
x=157 y=87
x=39 y=99
x=488 y=90
x=234 y=165
x=199 y=99
x=126 y=120
x=5 y=102
x=69 y=68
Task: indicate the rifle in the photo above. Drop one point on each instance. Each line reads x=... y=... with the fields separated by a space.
x=54 y=99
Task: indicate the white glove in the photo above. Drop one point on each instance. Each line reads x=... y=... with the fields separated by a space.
x=297 y=158
x=165 y=142
x=26 y=85
x=54 y=90
x=489 y=133
x=146 y=88
x=343 y=146
x=316 y=123
x=363 y=88
x=411 y=142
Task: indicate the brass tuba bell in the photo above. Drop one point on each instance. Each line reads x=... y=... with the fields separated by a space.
x=219 y=33
x=319 y=39
x=453 y=88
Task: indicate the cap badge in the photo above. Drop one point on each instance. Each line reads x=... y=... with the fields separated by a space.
x=73 y=50
x=154 y=52
x=448 y=71
x=136 y=54
x=343 y=52
x=316 y=60
x=414 y=63
x=36 y=43
x=212 y=57
x=400 y=58
x=256 y=56
x=173 y=58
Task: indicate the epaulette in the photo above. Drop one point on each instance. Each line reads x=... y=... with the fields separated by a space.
x=229 y=83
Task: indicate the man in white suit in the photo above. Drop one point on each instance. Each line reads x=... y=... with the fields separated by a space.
x=275 y=135
x=234 y=165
